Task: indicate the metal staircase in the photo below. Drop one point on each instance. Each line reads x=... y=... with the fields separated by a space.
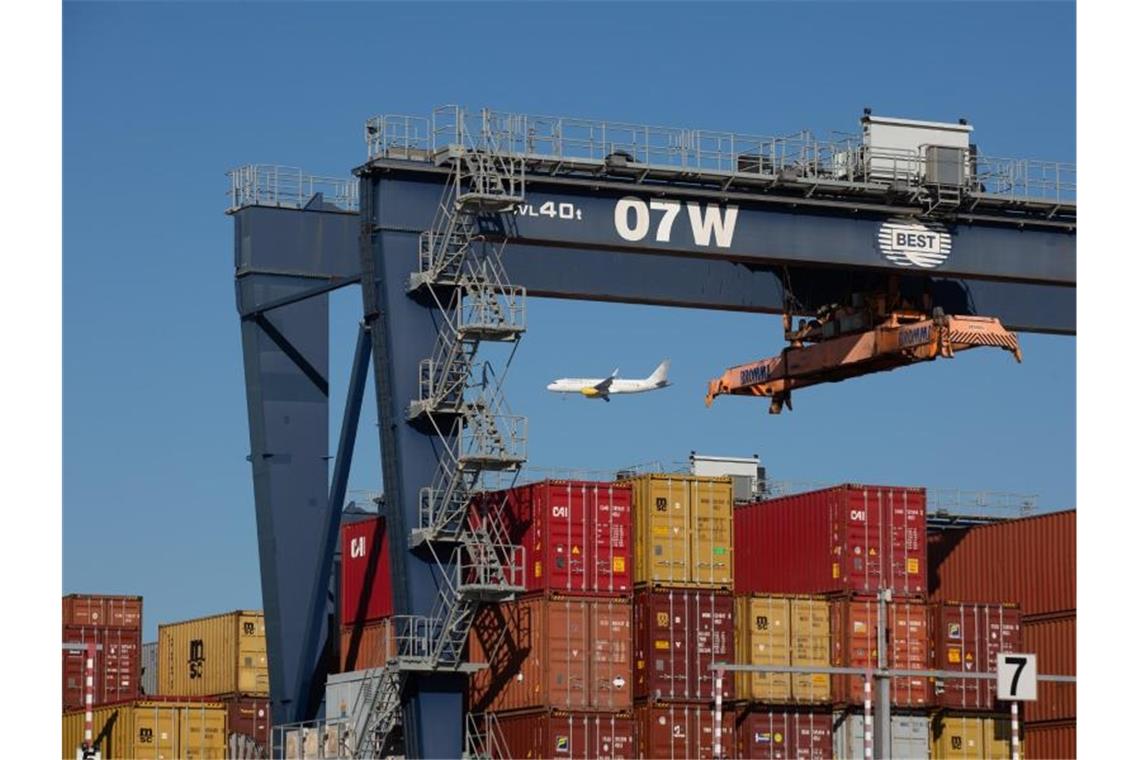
x=461 y=400
x=485 y=739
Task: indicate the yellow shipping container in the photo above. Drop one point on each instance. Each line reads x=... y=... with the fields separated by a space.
x=220 y=654
x=971 y=737
x=811 y=645
x=682 y=530
x=151 y=730
x=763 y=638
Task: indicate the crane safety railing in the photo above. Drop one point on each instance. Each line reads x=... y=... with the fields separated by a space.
x=801 y=156
x=288 y=187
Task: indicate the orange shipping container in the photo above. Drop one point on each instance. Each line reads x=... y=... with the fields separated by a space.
x=854 y=636
x=368 y=645
x=95 y=610
x=220 y=654
x=1050 y=741
x=1054 y=640
x=683 y=730
x=566 y=736
x=562 y=652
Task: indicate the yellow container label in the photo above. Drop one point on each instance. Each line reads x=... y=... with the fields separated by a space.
x=659 y=644
x=538 y=569
x=912 y=565
x=954 y=654
x=619 y=564
x=834 y=569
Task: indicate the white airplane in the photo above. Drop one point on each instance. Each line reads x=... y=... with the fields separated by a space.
x=603 y=388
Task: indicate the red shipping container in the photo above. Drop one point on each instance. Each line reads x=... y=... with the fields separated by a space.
x=680 y=730
x=1054 y=640
x=249 y=718
x=367 y=645
x=678 y=633
x=576 y=534
x=1031 y=562
x=854 y=634
x=553 y=651
x=968 y=638
x=117 y=665
x=849 y=538
x=1049 y=741
x=104 y=611
x=569 y=735
x=784 y=735
x=365 y=575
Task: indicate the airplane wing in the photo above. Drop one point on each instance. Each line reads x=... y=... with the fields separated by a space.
x=604 y=386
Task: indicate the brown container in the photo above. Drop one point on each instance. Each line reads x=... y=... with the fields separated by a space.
x=1050 y=741
x=116 y=662
x=776 y=629
x=683 y=730
x=218 y=654
x=569 y=735
x=678 y=633
x=784 y=735
x=249 y=718
x=968 y=638
x=854 y=636
x=1032 y=562
x=151 y=728
x=105 y=611
x=368 y=645
x=970 y=737
x=1054 y=640
x=562 y=652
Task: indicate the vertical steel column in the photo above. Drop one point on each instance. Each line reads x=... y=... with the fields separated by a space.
x=883 y=684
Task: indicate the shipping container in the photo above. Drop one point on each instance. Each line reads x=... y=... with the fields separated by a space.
x=682 y=528
x=855 y=627
x=1031 y=561
x=768 y=734
x=783 y=630
x=151 y=728
x=1049 y=741
x=1054 y=641
x=248 y=725
x=971 y=737
x=684 y=731
x=148 y=669
x=567 y=736
x=678 y=633
x=553 y=651
x=910 y=736
x=969 y=638
x=368 y=645
x=105 y=611
x=365 y=572
x=849 y=538
x=116 y=663
x=577 y=535
x=220 y=654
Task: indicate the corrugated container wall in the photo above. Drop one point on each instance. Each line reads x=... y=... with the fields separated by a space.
x=116 y=664
x=850 y=538
x=367 y=645
x=783 y=630
x=563 y=652
x=968 y=638
x=910 y=736
x=677 y=634
x=162 y=728
x=1032 y=561
x=1050 y=741
x=680 y=731
x=148 y=669
x=365 y=572
x=105 y=611
x=220 y=654
x=1055 y=642
x=568 y=736
x=854 y=627
x=248 y=718
x=683 y=530
x=577 y=535
x=971 y=737
x=784 y=735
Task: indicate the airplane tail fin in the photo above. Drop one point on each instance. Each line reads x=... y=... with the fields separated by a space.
x=661 y=374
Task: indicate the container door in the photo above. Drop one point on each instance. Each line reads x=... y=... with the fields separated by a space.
x=711 y=532
x=612 y=562
x=664 y=524
x=566 y=537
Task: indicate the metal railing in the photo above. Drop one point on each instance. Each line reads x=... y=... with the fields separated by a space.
x=288 y=187
x=314 y=740
x=799 y=157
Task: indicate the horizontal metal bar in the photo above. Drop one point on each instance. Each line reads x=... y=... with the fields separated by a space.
x=889 y=672
x=277 y=303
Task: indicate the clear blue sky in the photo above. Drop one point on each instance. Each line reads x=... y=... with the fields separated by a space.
x=161 y=99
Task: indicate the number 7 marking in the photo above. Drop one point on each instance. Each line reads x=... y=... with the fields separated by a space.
x=1020 y=662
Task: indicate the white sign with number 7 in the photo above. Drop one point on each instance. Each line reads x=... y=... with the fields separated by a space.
x=1017 y=677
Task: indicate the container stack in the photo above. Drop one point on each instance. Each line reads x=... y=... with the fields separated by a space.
x=683 y=614
x=559 y=675
x=1030 y=561
x=113 y=624
x=366 y=604
x=815 y=567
